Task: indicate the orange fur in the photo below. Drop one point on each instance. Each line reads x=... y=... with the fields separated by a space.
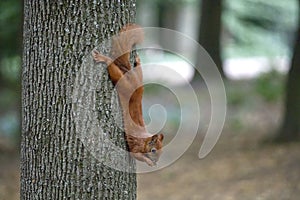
x=129 y=84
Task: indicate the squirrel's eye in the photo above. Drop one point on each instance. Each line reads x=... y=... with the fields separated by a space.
x=153 y=150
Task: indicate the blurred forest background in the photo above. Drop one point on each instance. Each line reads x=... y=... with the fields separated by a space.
x=255 y=45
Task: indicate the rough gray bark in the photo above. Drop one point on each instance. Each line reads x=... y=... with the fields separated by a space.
x=54 y=162
x=290 y=128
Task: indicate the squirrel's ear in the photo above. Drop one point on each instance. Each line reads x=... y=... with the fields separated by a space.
x=154 y=138
x=157 y=137
x=160 y=137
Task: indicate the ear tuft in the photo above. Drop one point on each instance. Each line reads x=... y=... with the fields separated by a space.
x=157 y=137
x=160 y=137
x=154 y=138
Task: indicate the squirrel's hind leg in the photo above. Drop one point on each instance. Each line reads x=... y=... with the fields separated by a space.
x=114 y=71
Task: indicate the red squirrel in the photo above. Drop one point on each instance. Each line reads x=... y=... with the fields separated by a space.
x=129 y=84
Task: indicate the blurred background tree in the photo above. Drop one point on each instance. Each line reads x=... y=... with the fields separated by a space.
x=290 y=128
x=210 y=30
x=10 y=61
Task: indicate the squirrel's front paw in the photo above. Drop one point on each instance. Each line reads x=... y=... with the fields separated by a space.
x=141 y=157
x=149 y=162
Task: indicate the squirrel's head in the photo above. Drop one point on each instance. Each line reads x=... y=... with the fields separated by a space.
x=153 y=147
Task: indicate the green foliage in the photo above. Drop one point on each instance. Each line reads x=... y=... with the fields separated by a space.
x=270 y=86
x=238 y=93
x=10 y=27
x=10 y=65
x=258 y=27
x=10 y=69
x=235 y=97
x=236 y=124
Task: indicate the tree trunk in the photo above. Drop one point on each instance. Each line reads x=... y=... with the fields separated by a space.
x=55 y=164
x=210 y=30
x=290 y=128
x=167 y=12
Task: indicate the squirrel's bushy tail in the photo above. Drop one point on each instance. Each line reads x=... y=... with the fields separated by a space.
x=129 y=35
